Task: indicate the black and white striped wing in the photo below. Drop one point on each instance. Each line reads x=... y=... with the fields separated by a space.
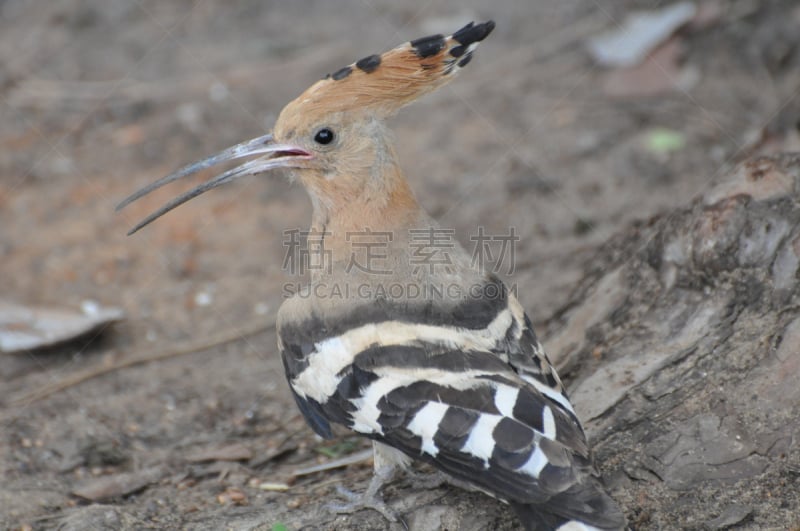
x=475 y=420
x=468 y=390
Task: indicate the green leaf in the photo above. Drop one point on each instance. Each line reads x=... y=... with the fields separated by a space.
x=344 y=447
x=662 y=141
x=279 y=527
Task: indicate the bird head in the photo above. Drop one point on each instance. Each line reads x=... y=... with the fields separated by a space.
x=332 y=137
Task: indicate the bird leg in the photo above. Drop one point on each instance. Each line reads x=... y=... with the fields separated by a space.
x=387 y=462
x=370 y=498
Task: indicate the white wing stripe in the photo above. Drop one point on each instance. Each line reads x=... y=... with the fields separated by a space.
x=549 y=393
x=481 y=441
x=319 y=379
x=536 y=462
x=505 y=398
x=425 y=424
x=366 y=415
x=549 y=423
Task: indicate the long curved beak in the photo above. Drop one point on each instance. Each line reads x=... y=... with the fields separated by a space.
x=276 y=156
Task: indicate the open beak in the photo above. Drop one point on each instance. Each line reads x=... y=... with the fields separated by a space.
x=275 y=156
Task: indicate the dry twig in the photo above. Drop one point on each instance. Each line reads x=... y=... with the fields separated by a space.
x=187 y=347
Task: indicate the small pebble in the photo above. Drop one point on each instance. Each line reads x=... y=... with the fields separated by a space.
x=232 y=495
x=294 y=503
x=203 y=298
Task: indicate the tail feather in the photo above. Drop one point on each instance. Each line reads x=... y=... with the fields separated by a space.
x=584 y=507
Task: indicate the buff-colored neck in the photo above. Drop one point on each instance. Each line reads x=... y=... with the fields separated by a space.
x=385 y=206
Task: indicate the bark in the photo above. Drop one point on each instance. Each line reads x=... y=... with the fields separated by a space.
x=683 y=342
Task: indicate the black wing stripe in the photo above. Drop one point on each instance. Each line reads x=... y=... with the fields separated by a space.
x=472 y=313
x=401 y=400
x=512 y=436
x=428 y=357
x=455 y=427
x=314 y=415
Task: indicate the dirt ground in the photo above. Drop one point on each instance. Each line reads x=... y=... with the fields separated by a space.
x=100 y=98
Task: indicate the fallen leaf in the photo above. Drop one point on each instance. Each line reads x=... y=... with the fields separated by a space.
x=639 y=34
x=108 y=487
x=31 y=327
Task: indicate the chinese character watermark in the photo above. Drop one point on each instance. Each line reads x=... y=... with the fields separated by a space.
x=429 y=248
x=305 y=251
x=483 y=255
x=369 y=251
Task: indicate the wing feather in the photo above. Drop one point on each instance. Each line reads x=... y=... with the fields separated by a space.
x=494 y=415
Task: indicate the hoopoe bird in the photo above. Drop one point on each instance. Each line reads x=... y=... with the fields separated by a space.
x=453 y=378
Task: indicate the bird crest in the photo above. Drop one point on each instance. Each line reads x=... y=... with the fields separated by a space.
x=382 y=84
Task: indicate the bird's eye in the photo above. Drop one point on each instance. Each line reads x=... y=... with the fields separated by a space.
x=324 y=136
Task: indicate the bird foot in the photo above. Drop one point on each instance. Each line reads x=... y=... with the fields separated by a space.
x=357 y=502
